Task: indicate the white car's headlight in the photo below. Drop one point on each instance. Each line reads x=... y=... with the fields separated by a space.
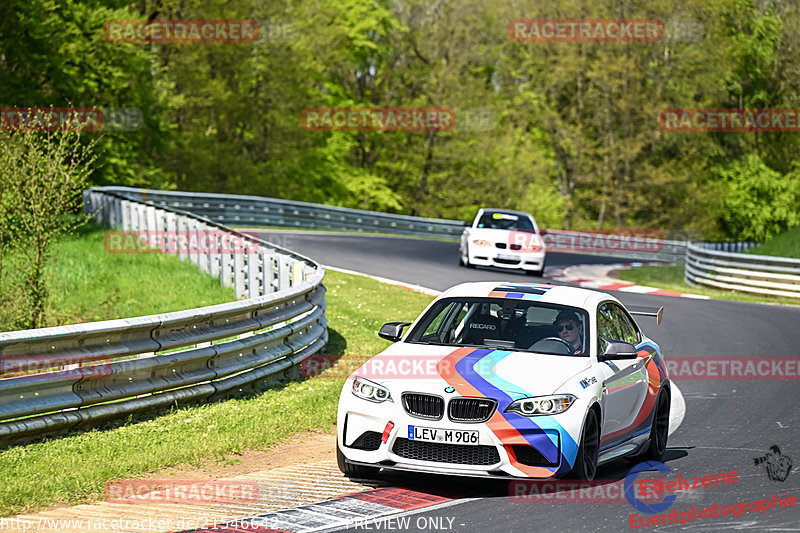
x=481 y=242
x=542 y=405
x=370 y=391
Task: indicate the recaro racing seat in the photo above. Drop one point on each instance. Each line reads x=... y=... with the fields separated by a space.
x=481 y=326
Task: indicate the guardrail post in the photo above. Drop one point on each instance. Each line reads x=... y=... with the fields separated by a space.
x=214 y=256
x=297 y=272
x=226 y=263
x=203 y=247
x=171 y=225
x=125 y=206
x=116 y=213
x=182 y=237
x=238 y=274
x=152 y=231
x=253 y=281
x=191 y=239
x=283 y=272
x=102 y=206
x=267 y=270
x=87 y=202
x=136 y=222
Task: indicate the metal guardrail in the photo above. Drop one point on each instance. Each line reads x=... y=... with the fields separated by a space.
x=57 y=378
x=759 y=274
x=740 y=246
x=256 y=211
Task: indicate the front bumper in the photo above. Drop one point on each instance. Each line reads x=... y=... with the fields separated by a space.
x=497 y=454
x=487 y=256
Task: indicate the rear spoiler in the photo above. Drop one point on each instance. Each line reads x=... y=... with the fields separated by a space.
x=657 y=312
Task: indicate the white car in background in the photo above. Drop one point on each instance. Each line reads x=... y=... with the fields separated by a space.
x=505 y=239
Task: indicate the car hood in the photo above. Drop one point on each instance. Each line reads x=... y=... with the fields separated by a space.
x=428 y=368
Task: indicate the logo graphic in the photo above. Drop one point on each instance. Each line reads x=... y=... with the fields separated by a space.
x=638 y=504
x=449 y=389
x=778 y=465
x=588 y=381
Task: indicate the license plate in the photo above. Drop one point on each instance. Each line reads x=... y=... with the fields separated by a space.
x=508 y=257
x=448 y=436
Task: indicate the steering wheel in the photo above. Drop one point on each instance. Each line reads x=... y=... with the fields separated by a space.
x=559 y=339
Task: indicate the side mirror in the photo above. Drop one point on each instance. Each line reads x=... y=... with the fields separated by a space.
x=392 y=331
x=616 y=350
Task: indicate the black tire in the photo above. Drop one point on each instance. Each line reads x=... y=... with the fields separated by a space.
x=659 y=432
x=351 y=470
x=537 y=273
x=586 y=460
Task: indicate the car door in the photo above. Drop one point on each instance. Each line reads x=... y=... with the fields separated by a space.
x=625 y=385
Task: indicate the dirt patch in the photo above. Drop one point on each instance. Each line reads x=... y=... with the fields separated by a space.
x=308 y=447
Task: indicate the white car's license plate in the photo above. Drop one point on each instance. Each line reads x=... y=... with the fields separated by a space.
x=508 y=257
x=449 y=436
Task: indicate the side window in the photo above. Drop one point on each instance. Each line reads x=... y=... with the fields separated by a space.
x=605 y=325
x=629 y=331
x=614 y=324
x=443 y=320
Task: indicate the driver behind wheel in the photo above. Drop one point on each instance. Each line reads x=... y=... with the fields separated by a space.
x=569 y=328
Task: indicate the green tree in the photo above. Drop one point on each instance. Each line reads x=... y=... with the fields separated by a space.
x=42 y=176
x=758 y=201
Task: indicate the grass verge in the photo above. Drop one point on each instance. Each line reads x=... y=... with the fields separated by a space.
x=671 y=277
x=75 y=468
x=787 y=244
x=88 y=284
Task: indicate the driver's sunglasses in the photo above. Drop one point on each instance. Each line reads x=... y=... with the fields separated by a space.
x=569 y=327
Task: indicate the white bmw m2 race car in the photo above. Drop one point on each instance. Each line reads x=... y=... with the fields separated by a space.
x=508 y=380
x=505 y=239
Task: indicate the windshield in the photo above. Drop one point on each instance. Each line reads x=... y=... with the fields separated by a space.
x=508 y=221
x=505 y=324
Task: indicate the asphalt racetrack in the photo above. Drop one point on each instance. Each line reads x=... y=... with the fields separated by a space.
x=730 y=425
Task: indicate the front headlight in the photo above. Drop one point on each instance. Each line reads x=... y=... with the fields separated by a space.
x=481 y=242
x=542 y=405
x=370 y=391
